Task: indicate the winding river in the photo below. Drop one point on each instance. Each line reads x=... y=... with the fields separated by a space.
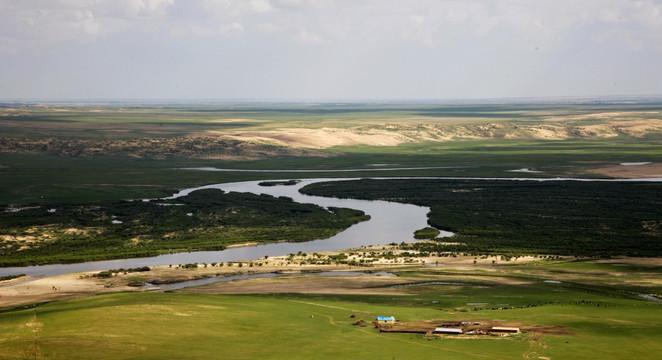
x=390 y=222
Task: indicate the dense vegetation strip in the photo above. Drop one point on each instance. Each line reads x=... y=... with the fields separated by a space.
x=516 y=217
x=204 y=220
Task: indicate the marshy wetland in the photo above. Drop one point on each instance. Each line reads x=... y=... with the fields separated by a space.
x=574 y=264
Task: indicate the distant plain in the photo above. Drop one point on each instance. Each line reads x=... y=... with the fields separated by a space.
x=51 y=152
x=94 y=156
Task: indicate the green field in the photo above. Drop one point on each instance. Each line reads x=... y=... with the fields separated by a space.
x=87 y=160
x=584 y=317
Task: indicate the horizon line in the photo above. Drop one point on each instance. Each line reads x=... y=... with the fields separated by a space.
x=340 y=101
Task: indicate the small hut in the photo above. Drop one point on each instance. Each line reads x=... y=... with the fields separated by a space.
x=445 y=330
x=505 y=330
x=386 y=320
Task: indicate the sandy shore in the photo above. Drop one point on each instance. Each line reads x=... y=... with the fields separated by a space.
x=30 y=290
x=649 y=170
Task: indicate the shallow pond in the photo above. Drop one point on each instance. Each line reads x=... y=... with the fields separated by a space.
x=212 y=280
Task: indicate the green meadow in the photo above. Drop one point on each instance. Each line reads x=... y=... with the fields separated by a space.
x=571 y=319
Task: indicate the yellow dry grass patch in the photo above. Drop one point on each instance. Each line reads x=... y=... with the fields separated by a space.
x=76 y=231
x=237 y=120
x=18 y=238
x=326 y=137
x=37 y=235
x=52 y=288
x=638 y=128
x=613 y=115
x=610 y=125
x=141 y=239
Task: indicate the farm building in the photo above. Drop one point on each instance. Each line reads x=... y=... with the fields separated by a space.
x=445 y=330
x=505 y=330
x=386 y=319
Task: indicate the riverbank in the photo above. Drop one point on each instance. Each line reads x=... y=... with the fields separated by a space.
x=630 y=170
x=386 y=223
x=27 y=290
x=294 y=275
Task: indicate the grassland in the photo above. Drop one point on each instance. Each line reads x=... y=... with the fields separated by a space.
x=589 y=313
x=97 y=155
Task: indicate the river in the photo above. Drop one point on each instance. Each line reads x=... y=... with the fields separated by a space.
x=390 y=222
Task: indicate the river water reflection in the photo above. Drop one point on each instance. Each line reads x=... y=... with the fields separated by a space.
x=390 y=223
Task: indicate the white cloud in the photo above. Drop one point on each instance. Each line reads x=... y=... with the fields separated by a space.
x=357 y=40
x=134 y=9
x=269 y=28
x=228 y=29
x=308 y=38
x=33 y=25
x=183 y=30
x=429 y=23
x=261 y=5
x=418 y=19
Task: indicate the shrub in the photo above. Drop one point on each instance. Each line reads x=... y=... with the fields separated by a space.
x=426 y=233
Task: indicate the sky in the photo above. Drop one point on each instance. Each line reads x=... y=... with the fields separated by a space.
x=291 y=50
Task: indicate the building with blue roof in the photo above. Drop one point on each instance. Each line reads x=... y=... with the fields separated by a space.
x=386 y=319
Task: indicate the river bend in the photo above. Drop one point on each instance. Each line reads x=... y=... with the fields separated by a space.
x=390 y=222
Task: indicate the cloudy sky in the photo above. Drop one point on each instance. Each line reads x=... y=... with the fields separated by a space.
x=328 y=49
